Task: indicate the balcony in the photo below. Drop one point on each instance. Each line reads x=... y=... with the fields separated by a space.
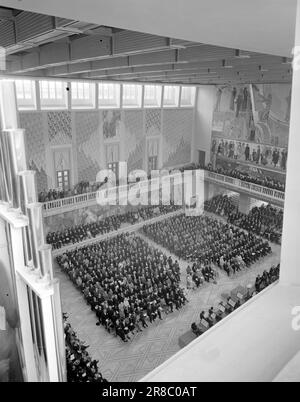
x=266 y=194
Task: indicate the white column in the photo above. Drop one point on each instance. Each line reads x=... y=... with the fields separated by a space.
x=290 y=266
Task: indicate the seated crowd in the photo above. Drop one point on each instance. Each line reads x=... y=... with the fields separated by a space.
x=206 y=240
x=265 y=221
x=80 y=366
x=79 y=233
x=125 y=281
x=265 y=181
x=213 y=316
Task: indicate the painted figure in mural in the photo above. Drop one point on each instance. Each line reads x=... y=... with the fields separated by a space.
x=275 y=157
x=267 y=102
x=219 y=97
x=231 y=150
x=283 y=159
x=239 y=102
x=245 y=99
x=232 y=100
x=254 y=155
x=226 y=148
x=258 y=154
x=247 y=152
x=214 y=146
x=252 y=130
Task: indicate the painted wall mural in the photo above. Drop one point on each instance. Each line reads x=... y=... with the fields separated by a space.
x=265 y=156
x=153 y=122
x=251 y=124
x=32 y=122
x=111 y=123
x=87 y=134
x=177 y=137
x=59 y=127
x=133 y=139
x=87 y=126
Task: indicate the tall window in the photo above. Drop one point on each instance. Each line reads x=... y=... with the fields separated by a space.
x=132 y=95
x=152 y=95
x=53 y=95
x=188 y=96
x=83 y=95
x=26 y=96
x=171 y=96
x=108 y=95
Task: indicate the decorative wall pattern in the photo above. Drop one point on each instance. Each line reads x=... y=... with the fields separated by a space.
x=88 y=144
x=59 y=127
x=111 y=123
x=177 y=137
x=32 y=122
x=134 y=139
x=251 y=124
x=91 y=134
x=153 y=122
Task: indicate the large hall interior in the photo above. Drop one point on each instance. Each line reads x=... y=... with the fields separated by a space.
x=149 y=191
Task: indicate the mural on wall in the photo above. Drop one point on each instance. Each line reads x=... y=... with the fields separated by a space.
x=133 y=139
x=177 y=137
x=59 y=127
x=271 y=110
x=88 y=144
x=153 y=122
x=251 y=124
x=32 y=122
x=111 y=123
x=262 y=155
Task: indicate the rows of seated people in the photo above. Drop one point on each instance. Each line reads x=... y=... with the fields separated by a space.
x=79 y=233
x=199 y=273
x=265 y=221
x=126 y=282
x=82 y=187
x=265 y=181
x=207 y=240
x=80 y=366
x=212 y=316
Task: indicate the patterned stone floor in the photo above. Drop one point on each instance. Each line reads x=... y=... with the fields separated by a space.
x=131 y=361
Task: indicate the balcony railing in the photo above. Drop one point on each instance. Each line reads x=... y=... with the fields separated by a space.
x=83 y=200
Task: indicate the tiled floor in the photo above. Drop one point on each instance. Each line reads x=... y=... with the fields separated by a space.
x=131 y=361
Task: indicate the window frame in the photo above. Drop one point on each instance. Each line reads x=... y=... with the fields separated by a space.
x=26 y=103
x=176 y=96
x=53 y=102
x=110 y=102
x=135 y=100
x=193 y=96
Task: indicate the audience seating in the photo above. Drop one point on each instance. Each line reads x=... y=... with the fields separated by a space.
x=126 y=282
x=80 y=366
x=205 y=240
x=265 y=221
x=79 y=233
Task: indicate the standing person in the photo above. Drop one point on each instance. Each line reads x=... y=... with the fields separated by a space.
x=247 y=152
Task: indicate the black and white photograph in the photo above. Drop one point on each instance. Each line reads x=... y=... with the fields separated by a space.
x=149 y=194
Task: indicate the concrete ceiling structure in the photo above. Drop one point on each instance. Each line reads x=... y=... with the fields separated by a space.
x=104 y=48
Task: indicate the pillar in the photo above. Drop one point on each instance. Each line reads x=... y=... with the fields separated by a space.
x=290 y=267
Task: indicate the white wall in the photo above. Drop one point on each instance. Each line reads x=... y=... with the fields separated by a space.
x=205 y=103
